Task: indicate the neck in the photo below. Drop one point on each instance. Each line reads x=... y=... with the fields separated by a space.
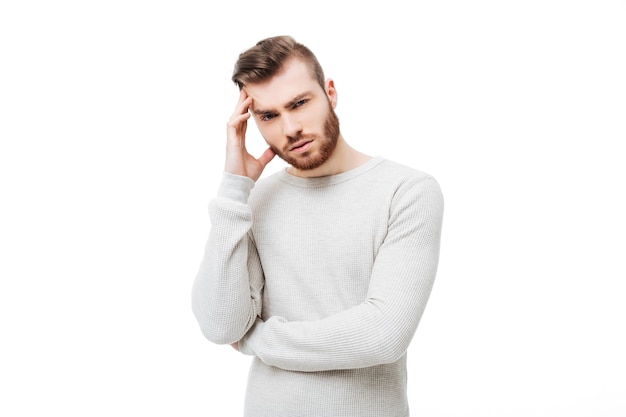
x=344 y=158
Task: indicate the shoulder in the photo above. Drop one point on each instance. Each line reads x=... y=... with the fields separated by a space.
x=405 y=176
x=411 y=186
x=267 y=186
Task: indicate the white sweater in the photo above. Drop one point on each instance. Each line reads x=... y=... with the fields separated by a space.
x=324 y=280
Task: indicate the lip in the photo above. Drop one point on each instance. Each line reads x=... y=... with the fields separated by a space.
x=301 y=146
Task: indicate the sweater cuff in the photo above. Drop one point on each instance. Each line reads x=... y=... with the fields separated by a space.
x=235 y=187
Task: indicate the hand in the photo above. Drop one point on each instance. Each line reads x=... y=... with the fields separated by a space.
x=238 y=160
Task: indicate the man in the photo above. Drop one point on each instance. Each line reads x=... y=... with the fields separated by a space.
x=320 y=271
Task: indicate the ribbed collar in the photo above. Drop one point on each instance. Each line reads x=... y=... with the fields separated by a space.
x=317 y=182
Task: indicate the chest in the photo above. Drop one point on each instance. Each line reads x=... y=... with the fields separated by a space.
x=317 y=252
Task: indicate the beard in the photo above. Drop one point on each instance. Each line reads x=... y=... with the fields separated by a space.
x=327 y=143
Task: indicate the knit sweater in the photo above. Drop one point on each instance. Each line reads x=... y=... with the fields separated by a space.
x=324 y=281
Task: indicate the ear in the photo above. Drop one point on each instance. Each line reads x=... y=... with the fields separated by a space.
x=331 y=92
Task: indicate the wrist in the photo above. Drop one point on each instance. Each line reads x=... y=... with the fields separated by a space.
x=235 y=187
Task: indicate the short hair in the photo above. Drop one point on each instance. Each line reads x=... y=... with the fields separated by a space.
x=268 y=57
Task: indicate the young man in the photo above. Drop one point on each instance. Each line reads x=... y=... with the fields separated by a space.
x=320 y=271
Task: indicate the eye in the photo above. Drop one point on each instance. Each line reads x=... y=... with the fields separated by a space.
x=300 y=103
x=267 y=117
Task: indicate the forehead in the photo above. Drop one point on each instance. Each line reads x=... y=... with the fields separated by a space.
x=294 y=79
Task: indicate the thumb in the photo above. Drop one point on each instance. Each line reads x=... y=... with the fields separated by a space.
x=267 y=156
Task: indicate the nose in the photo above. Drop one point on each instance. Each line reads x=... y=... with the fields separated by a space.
x=292 y=127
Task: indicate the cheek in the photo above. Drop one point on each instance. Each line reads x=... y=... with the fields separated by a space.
x=319 y=116
x=269 y=133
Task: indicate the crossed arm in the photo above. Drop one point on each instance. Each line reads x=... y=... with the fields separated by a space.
x=376 y=331
x=379 y=329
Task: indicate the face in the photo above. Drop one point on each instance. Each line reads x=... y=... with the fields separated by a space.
x=296 y=116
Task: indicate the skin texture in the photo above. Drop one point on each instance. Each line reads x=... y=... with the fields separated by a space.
x=295 y=116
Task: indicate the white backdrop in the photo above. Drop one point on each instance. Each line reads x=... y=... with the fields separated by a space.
x=112 y=121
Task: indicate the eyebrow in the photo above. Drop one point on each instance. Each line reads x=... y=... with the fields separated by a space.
x=287 y=105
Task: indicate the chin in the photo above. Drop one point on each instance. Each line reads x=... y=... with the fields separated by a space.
x=307 y=161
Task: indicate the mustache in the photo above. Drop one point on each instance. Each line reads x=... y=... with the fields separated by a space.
x=294 y=139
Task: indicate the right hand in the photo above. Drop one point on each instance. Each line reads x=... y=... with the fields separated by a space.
x=238 y=160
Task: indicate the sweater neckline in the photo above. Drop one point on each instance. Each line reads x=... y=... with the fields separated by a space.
x=329 y=180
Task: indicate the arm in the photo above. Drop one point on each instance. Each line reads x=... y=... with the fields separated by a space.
x=226 y=295
x=378 y=330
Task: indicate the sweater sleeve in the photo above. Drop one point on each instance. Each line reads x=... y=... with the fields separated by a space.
x=226 y=294
x=378 y=330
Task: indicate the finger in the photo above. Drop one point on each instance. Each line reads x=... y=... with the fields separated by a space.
x=267 y=156
x=242 y=108
x=237 y=119
x=243 y=104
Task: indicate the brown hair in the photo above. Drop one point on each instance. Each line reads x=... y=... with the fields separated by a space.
x=269 y=56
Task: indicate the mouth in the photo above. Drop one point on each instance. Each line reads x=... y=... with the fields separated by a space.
x=301 y=146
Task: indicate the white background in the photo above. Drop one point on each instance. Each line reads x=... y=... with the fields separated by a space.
x=112 y=121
